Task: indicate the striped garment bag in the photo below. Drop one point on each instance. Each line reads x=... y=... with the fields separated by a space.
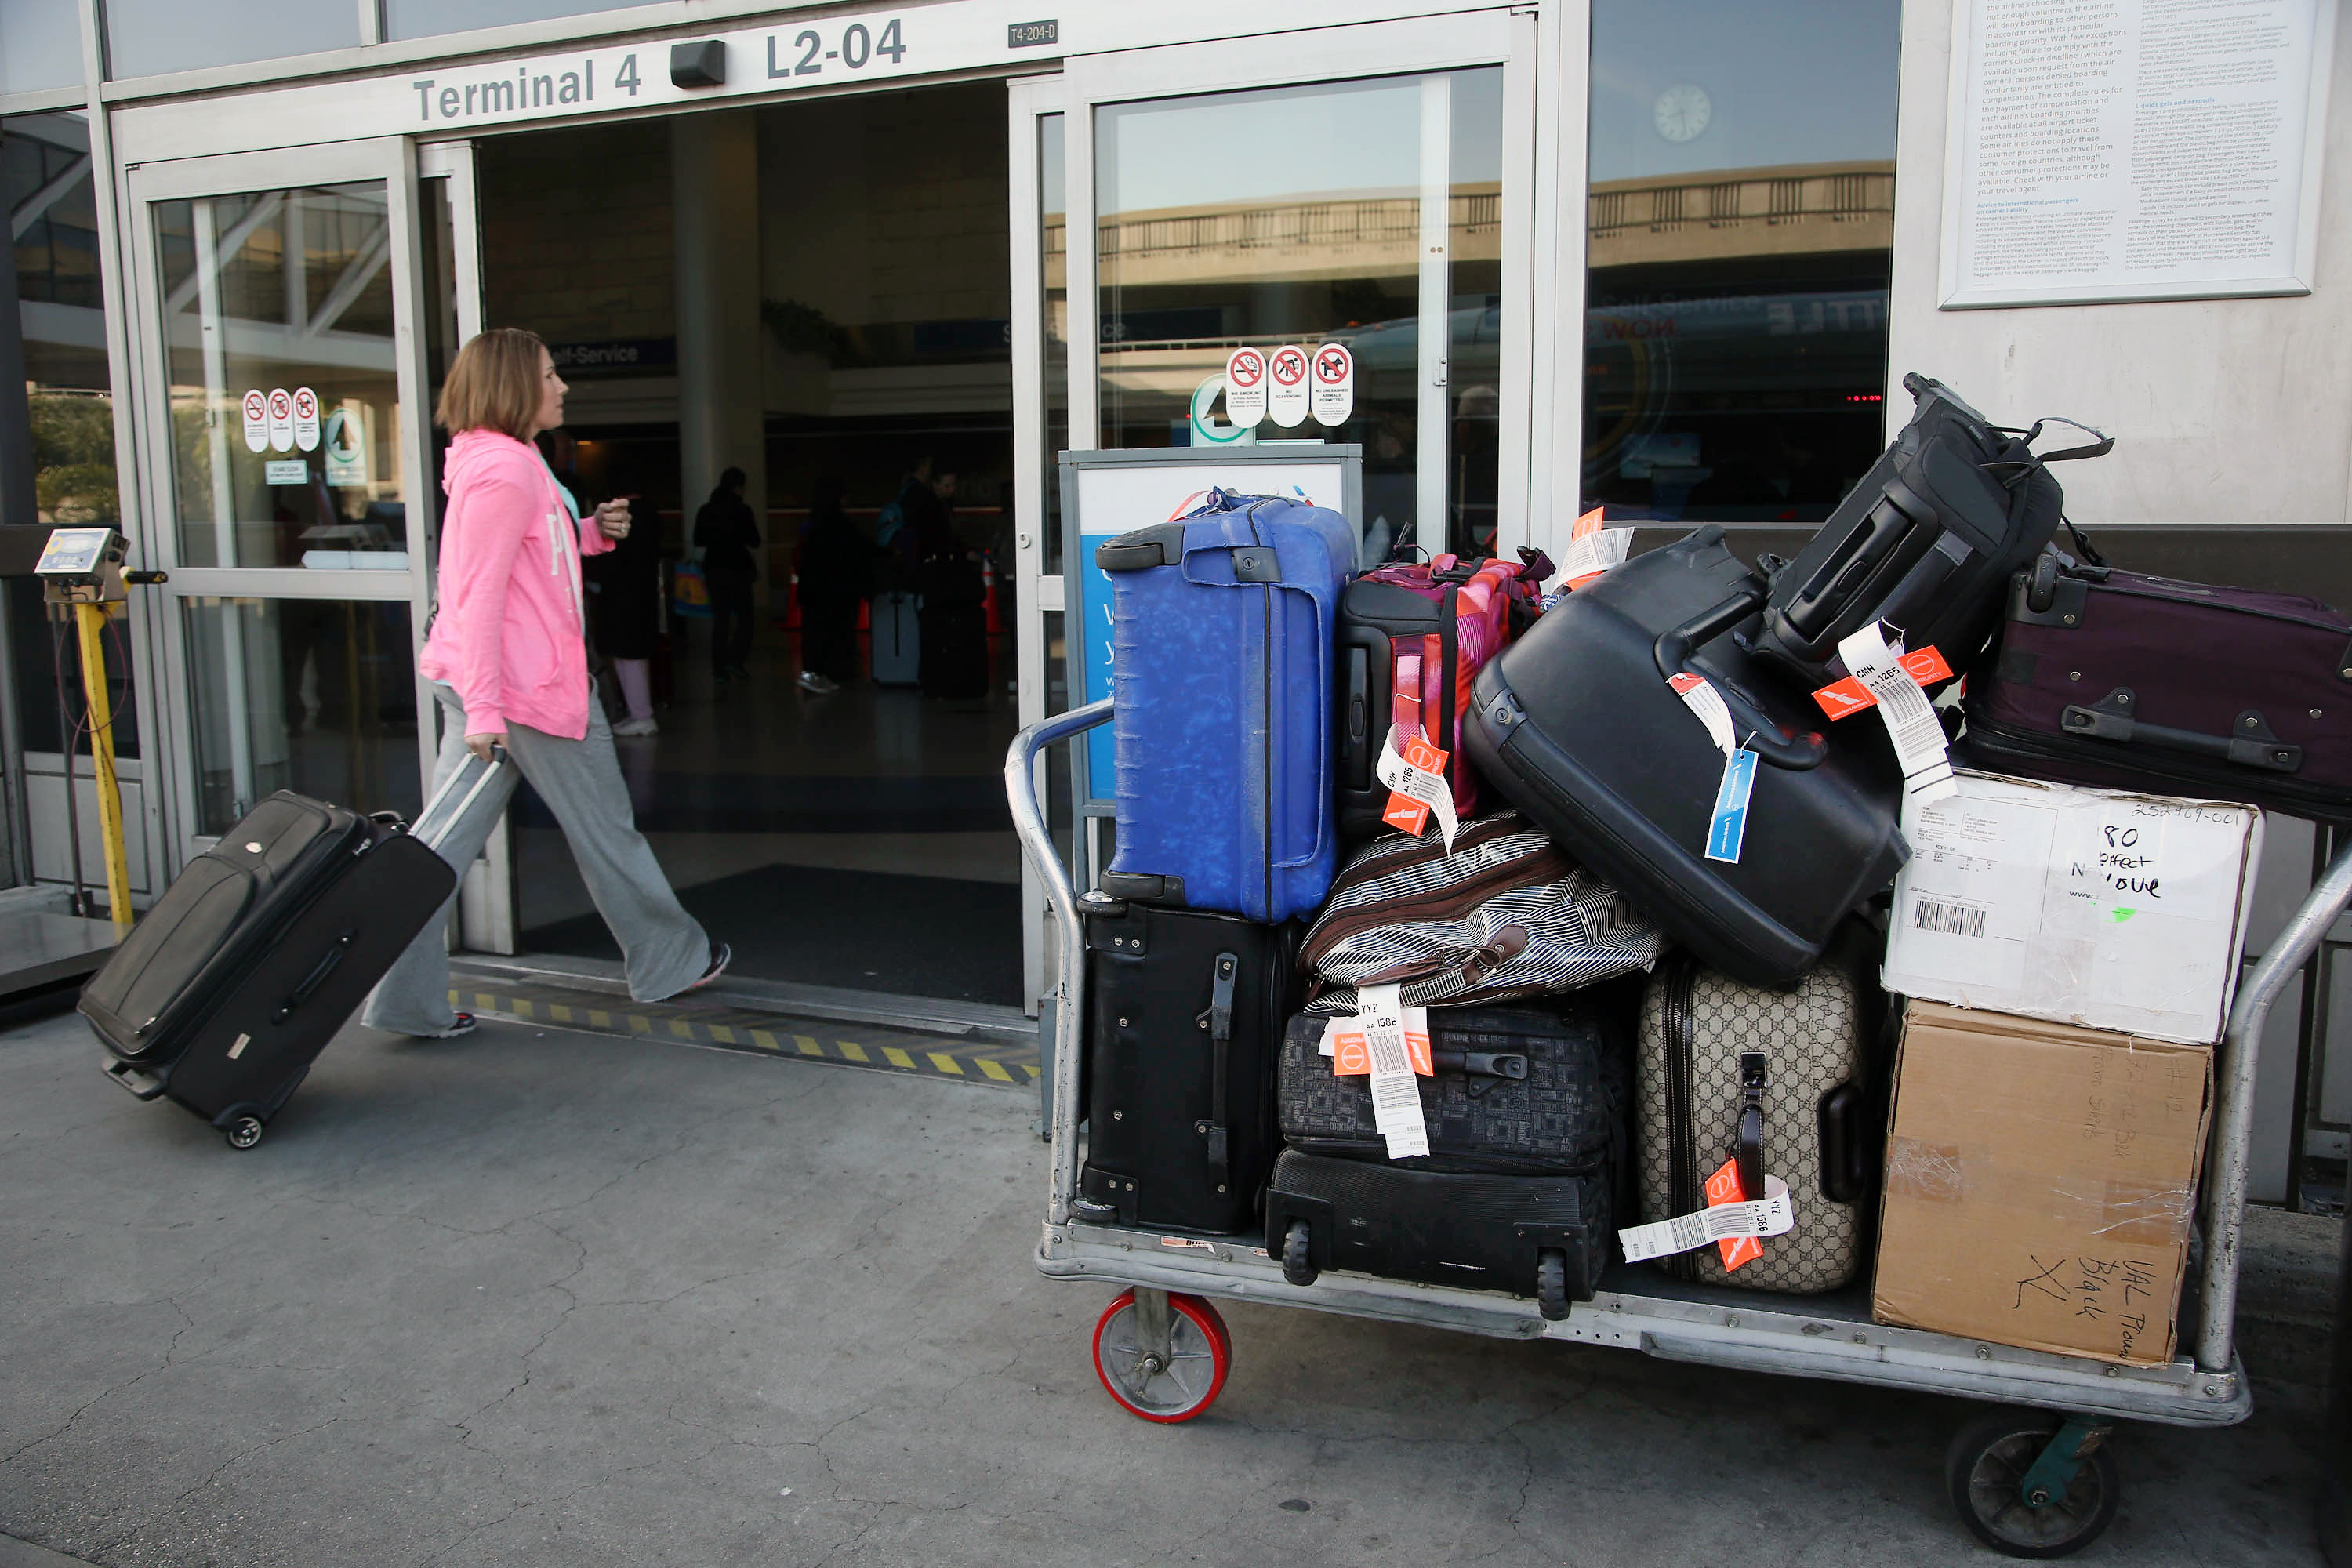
x=1504 y=914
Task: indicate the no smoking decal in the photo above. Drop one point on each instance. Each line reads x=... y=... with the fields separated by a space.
x=1246 y=388
x=256 y=420
x=1286 y=399
x=1335 y=384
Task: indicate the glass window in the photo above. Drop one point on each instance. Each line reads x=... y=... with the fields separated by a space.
x=148 y=37
x=1741 y=220
x=313 y=695
x=1053 y=249
x=45 y=179
x=285 y=408
x=423 y=18
x=40 y=46
x=1297 y=215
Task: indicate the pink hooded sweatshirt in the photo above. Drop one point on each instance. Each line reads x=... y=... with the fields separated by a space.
x=511 y=633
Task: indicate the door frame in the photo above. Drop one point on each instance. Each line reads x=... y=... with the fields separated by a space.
x=392 y=160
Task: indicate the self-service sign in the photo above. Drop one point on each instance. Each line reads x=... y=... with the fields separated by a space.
x=1287 y=398
x=1334 y=395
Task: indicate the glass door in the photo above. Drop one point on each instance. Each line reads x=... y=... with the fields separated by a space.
x=286 y=466
x=1365 y=186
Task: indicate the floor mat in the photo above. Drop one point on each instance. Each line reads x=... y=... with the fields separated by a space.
x=862 y=930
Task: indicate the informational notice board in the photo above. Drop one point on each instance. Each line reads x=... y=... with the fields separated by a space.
x=2115 y=150
x=1106 y=494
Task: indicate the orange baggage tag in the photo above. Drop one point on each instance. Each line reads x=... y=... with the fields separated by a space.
x=1723 y=1187
x=1843 y=699
x=1352 y=1054
x=1423 y=774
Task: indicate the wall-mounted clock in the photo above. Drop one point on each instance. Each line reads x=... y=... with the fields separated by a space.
x=1681 y=112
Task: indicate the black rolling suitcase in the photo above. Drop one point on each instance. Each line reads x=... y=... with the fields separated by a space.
x=229 y=987
x=1544 y=1237
x=1526 y=1117
x=1184 y=1011
x=1925 y=542
x=1578 y=725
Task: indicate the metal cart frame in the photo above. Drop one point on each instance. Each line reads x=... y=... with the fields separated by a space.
x=1834 y=1337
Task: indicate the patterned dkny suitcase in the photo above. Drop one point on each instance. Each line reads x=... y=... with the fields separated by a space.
x=1528 y=1090
x=1782 y=1083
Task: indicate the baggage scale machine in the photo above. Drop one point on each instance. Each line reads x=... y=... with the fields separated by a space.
x=2030 y=1479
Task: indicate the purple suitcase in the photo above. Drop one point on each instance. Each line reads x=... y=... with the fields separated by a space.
x=2124 y=680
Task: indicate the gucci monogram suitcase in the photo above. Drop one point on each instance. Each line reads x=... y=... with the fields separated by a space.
x=1780 y=1083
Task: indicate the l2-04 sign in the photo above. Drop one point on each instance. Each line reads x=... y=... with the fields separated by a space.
x=1286 y=399
x=1246 y=388
x=1335 y=384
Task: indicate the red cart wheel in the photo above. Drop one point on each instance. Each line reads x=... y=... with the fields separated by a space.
x=1200 y=1352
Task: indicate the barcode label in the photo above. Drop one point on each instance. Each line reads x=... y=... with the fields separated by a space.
x=1951 y=920
x=1911 y=721
x=1396 y=1093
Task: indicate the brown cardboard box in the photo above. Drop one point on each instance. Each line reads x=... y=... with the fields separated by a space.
x=2040 y=1182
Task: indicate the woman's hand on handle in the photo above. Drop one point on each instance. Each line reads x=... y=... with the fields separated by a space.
x=487 y=746
x=613 y=518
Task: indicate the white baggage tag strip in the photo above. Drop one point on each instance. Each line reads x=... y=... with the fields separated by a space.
x=1396 y=1094
x=1400 y=768
x=1416 y=1033
x=1774 y=1215
x=1593 y=551
x=1706 y=702
x=1911 y=721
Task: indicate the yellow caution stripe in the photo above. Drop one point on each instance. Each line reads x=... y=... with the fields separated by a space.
x=752 y=1034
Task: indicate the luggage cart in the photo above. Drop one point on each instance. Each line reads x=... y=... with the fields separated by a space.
x=2031 y=1478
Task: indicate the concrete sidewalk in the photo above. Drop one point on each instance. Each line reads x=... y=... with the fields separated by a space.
x=545 y=1298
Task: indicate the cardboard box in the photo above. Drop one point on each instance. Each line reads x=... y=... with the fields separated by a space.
x=2040 y=1184
x=2082 y=906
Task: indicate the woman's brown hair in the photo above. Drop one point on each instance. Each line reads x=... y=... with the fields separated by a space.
x=493 y=384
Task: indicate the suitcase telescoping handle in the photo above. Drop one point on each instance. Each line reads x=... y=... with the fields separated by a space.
x=1796 y=753
x=1219 y=1021
x=432 y=837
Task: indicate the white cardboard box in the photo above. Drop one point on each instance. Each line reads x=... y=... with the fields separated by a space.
x=2082 y=906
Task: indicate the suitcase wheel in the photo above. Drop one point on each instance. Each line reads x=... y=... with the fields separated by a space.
x=1166 y=1371
x=244 y=1132
x=2029 y=1483
x=1551 y=1283
x=1296 y=1265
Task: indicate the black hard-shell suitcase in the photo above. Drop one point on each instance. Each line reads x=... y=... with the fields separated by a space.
x=1544 y=1237
x=1925 y=542
x=228 y=988
x=1785 y=1083
x=1184 y=1012
x=1577 y=724
x=1525 y=1090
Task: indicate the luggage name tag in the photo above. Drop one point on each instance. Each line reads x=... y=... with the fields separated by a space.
x=1774 y=1214
x=1417 y=785
x=1351 y=1056
x=1844 y=699
x=1396 y=1097
x=1594 y=550
x=1726 y=829
x=1911 y=721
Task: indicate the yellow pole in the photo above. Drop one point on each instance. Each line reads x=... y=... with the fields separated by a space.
x=93 y=621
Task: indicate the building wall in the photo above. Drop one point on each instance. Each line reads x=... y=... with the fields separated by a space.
x=2223 y=411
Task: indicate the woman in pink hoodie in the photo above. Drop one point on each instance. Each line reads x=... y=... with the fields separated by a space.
x=507 y=657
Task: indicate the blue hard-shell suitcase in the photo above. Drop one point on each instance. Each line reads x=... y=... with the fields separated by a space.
x=1224 y=736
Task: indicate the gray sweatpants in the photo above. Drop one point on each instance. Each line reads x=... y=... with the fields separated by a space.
x=581 y=782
